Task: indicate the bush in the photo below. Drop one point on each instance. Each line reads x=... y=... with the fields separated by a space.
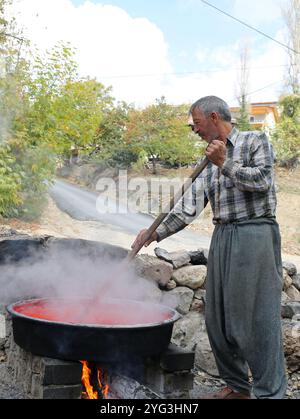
x=286 y=137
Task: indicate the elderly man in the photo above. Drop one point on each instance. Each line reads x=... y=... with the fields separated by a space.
x=244 y=282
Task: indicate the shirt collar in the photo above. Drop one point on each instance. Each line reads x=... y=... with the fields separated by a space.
x=232 y=137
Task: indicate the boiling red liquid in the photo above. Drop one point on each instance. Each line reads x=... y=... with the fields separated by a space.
x=86 y=312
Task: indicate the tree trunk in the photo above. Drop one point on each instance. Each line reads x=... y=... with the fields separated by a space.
x=154 y=166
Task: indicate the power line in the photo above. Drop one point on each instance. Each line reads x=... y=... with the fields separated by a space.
x=261 y=89
x=249 y=26
x=266 y=87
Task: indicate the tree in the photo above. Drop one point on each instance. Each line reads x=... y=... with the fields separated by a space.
x=161 y=132
x=291 y=15
x=78 y=112
x=287 y=135
x=109 y=142
x=45 y=109
x=243 y=120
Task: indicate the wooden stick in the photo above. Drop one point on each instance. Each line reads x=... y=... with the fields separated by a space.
x=199 y=169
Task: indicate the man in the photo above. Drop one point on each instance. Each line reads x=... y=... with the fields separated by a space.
x=244 y=282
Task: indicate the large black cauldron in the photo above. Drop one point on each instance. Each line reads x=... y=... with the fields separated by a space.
x=46 y=333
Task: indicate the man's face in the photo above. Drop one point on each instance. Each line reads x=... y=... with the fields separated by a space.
x=204 y=126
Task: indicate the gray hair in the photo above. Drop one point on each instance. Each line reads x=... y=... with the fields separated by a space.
x=211 y=104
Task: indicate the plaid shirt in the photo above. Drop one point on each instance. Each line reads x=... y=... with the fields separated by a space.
x=243 y=189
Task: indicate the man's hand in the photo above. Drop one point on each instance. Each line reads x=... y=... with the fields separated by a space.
x=216 y=152
x=141 y=238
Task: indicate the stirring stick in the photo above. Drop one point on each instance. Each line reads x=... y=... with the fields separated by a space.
x=199 y=169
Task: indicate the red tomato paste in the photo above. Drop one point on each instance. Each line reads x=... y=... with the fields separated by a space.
x=89 y=312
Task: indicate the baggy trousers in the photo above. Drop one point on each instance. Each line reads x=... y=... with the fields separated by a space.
x=243 y=307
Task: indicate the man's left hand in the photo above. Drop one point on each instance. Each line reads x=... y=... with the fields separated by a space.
x=216 y=152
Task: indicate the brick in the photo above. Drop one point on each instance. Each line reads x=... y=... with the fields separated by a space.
x=165 y=383
x=177 y=359
x=62 y=392
x=58 y=372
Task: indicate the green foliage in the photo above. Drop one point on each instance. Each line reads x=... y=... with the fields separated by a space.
x=10 y=183
x=286 y=137
x=45 y=110
x=109 y=142
x=77 y=113
x=161 y=132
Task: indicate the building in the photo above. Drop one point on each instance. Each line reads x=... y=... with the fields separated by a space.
x=262 y=116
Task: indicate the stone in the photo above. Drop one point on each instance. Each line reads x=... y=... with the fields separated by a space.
x=284 y=297
x=198 y=306
x=290 y=309
x=190 y=276
x=190 y=333
x=184 y=298
x=171 y=285
x=199 y=257
x=291 y=335
x=287 y=280
x=200 y=295
x=187 y=330
x=293 y=293
x=296 y=281
x=177 y=259
x=290 y=268
x=150 y=267
x=205 y=359
x=3 y=356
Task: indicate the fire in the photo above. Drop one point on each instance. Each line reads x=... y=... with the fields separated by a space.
x=104 y=387
x=89 y=392
x=86 y=381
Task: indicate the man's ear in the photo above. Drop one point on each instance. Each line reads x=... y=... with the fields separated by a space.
x=214 y=117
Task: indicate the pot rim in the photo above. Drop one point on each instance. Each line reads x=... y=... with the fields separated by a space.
x=11 y=310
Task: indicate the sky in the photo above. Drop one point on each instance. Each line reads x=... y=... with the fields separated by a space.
x=180 y=49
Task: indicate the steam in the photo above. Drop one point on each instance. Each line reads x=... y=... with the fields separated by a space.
x=75 y=274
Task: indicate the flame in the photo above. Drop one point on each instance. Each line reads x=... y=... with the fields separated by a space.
x=86 y=381
x=90 y=393
x=104 y=387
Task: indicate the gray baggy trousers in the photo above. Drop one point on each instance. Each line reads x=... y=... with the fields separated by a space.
x=243 y=311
